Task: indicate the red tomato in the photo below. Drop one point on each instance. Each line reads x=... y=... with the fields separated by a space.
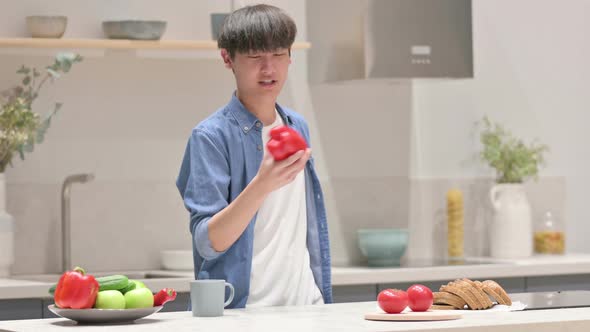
x=420 y=297
x=392 y=301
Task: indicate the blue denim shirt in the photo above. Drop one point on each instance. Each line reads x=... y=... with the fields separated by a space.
x=222 y=156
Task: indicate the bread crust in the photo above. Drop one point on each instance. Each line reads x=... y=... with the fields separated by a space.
x=448 y=299
x=476 y=295
x=459 y=290
x=494 y=287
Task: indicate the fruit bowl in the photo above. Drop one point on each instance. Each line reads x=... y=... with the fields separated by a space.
x=98 y=316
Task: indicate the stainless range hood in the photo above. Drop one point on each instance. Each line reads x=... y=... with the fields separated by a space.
x=376 y=39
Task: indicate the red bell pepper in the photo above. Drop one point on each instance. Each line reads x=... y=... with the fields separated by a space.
x=284 y=141
x=76 y=290
x=163 y=296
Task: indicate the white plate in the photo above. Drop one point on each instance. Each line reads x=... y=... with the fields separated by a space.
x=103 y=315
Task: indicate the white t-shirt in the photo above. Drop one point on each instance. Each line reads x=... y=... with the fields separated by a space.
x=281 y=272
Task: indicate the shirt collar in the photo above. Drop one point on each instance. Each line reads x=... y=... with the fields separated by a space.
x=248 y=121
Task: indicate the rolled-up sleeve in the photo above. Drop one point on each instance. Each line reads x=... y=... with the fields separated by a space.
x=203 y=183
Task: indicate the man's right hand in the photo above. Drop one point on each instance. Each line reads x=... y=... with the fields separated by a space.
x=272 y=174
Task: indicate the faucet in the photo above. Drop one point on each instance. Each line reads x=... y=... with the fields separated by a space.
x=65 y=217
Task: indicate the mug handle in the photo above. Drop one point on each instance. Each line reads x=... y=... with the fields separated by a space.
x=231 y=294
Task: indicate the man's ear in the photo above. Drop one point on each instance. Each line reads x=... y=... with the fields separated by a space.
x=226 y=58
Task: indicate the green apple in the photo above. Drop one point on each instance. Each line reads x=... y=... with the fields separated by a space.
x=110 y=299
x=139 y=298
x=138 y=284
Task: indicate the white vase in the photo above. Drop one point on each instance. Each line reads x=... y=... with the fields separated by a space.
x=511 y=230
x=6 y=233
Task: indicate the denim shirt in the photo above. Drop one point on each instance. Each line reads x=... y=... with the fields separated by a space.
x=222 y=156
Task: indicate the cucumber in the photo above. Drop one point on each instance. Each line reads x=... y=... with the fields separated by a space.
x=130 y=286
x=113 y=282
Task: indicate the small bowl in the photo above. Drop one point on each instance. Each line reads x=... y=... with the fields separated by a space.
x=134 y=29
x=47 y=26
x=383 y=246
x=177 y=260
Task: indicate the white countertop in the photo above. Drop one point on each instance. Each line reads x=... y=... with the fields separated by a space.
x=545 y=265
x=341 y=276
x=342 y=317
x=21 y=288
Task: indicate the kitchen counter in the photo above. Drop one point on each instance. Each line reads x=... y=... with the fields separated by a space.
x=570 y=264
x=342 y=317
x=25 y=286
x=545 y=265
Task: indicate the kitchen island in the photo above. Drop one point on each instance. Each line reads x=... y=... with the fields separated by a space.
x=341 y=317
x=36 y=286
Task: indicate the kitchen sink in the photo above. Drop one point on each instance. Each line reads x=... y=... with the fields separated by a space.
x=131 y=275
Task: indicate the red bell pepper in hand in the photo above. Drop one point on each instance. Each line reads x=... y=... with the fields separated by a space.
x=76 y=290
x=163 y=296
x=284 y=141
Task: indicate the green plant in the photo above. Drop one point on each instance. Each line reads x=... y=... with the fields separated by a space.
x=512 y=159
x=20 y=127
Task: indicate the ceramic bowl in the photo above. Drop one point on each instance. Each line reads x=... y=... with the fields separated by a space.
x=134 y=29
x=383 y=246
x=47 y=26
x=177 y=260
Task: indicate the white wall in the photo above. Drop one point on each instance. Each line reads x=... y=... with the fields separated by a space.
x=532 y=75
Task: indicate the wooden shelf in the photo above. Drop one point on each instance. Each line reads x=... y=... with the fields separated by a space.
x=71 y=43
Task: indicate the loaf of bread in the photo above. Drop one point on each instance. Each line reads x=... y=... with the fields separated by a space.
x=468 y=294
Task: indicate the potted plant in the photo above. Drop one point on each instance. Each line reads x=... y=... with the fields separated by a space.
x=514 y=163
x=20 y=129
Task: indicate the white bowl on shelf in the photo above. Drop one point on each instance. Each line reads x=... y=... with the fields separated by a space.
x=47 y=26
x=179 y=260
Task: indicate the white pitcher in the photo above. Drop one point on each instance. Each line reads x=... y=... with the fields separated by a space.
x=6 y=233
x=511 y=231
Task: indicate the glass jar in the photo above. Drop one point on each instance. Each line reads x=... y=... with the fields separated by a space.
x=549 y=235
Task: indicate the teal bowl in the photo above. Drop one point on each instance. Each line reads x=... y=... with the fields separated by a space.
x=383 y=246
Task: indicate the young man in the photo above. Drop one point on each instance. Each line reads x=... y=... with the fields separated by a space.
x=255 y=222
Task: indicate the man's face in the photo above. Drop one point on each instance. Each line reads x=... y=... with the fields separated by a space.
x=259 y=73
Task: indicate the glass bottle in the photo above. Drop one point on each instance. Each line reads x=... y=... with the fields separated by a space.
x=455 y=225
x=549 y=235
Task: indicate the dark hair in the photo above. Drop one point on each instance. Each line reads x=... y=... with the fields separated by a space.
x=257 y=28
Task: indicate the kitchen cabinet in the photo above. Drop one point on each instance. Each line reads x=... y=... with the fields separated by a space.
x=20 y=309
x=354 y=293
x=180 y=304
x=45 y=312
x=557 y=283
